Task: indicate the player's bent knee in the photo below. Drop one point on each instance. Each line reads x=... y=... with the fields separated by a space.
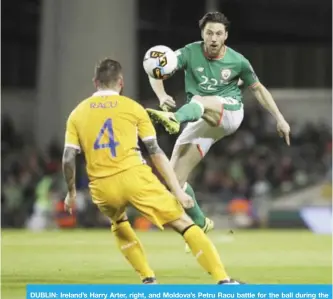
x=123 y=219
x=181 y=224
x=210 y=103
x=213 y=110
x=184 y=158
x=116 y=222
x=213 y=119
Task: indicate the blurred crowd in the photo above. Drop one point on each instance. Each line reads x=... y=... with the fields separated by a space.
x=257 y=160
x=253 y=163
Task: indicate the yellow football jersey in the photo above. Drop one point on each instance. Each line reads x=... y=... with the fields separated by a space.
x=106 y=128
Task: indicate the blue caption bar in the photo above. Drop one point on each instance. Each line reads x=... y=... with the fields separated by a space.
x=180 y=291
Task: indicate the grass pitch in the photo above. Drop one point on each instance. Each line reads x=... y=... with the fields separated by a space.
x=91 y=256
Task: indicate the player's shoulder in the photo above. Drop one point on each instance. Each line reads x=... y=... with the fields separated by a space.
x=76 y=110
x=87 y=103
x=132 y=106
x=190 y=50
x=131 y=102
x=80 y=107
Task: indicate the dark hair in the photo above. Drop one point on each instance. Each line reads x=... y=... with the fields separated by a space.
x=214 y=17
x=107 y=71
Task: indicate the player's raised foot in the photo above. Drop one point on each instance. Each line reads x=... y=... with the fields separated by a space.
x=149 y=280
x=209 y=225
x=166 y=119
x=230 y=282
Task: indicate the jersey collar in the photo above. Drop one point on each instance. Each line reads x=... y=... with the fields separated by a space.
x=217 y=57
x=105 y=92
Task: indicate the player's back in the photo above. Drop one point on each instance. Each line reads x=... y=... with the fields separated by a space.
x=107 y=129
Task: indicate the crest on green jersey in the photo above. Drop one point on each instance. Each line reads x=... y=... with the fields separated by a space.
x=225 y=74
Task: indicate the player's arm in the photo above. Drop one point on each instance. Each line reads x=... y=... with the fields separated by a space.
x=162 y=164
x=71 y=149
x=166 y=101
x=158 y=88
x=68 y=167
x=147 y=134
x=164 y=167
x=264 y=97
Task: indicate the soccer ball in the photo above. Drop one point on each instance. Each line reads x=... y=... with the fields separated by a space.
x=160 y=62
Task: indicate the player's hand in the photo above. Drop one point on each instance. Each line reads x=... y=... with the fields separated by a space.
x=185 y=200
x=283 y=129
x=167 y=103
x=69 y=202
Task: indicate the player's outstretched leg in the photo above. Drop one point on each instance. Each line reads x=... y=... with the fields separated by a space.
x=197 y=215
x=184 y=159
x=209 y=108
x=131 y=247
x=190 y=112
x=203 y=249
x=195 y=212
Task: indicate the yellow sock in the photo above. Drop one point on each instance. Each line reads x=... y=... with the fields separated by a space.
x=205 y=252
x=131 y=247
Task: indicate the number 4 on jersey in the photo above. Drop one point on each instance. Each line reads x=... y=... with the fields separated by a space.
x=107 y=128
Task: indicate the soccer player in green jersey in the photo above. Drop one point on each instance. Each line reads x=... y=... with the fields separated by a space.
x=214 y=106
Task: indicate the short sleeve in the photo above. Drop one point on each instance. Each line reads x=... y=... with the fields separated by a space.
x=71 y=136
x=248 y=75
x=146 y=129
x=181 y=58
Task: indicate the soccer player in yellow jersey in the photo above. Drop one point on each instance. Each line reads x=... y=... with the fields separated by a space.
x=106 y=127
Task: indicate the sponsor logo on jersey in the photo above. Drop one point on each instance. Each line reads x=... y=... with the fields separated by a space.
x=225 y=74
x=200 y=69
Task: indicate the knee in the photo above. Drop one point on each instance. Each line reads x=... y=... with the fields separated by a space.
x=198 y=99
x=182 y=224
x=212 y=118
x=115 y=223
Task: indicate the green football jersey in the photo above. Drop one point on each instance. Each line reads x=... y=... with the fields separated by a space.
x=218 y=77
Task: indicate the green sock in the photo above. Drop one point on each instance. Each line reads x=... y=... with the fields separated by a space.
x=189 y=112
x=195 y=213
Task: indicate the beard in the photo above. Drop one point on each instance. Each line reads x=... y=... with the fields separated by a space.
x=214 y=51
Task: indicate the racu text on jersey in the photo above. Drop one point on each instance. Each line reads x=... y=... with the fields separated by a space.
x=104 y=105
